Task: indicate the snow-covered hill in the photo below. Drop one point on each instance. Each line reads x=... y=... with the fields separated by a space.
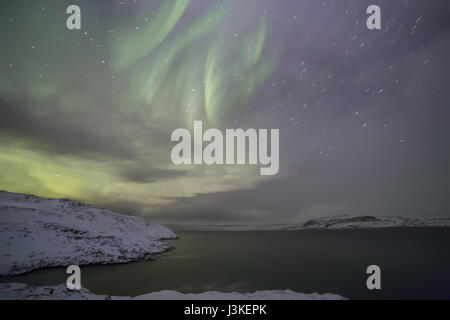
x=16 y=291
x=37 y=232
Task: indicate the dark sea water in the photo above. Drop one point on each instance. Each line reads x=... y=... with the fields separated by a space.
x=415 y=263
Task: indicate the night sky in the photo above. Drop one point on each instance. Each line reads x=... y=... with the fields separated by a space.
x=363 y=114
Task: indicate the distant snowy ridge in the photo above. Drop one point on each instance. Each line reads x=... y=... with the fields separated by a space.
x=365 y=222
x=16 y=291
x=337 y=222
x=38 y=232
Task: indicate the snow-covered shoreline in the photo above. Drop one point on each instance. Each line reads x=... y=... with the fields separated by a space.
x=37 y=232
x=16 y=291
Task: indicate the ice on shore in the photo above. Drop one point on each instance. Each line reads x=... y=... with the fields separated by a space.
x=16 y=291
x=37 y=232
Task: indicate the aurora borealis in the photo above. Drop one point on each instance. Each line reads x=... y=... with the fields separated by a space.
x=116 y=92
x=363 y=115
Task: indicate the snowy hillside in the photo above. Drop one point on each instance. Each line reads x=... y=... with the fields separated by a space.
x=16 y=291
x=37 y=232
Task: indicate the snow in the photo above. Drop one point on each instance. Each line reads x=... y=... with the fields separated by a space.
x=366 y=222
x=257 y=295
x=16 y=291
x=37 y=232
x=337 y=222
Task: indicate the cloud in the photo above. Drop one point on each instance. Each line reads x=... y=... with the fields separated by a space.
x=362 y=114
x=144 y=174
